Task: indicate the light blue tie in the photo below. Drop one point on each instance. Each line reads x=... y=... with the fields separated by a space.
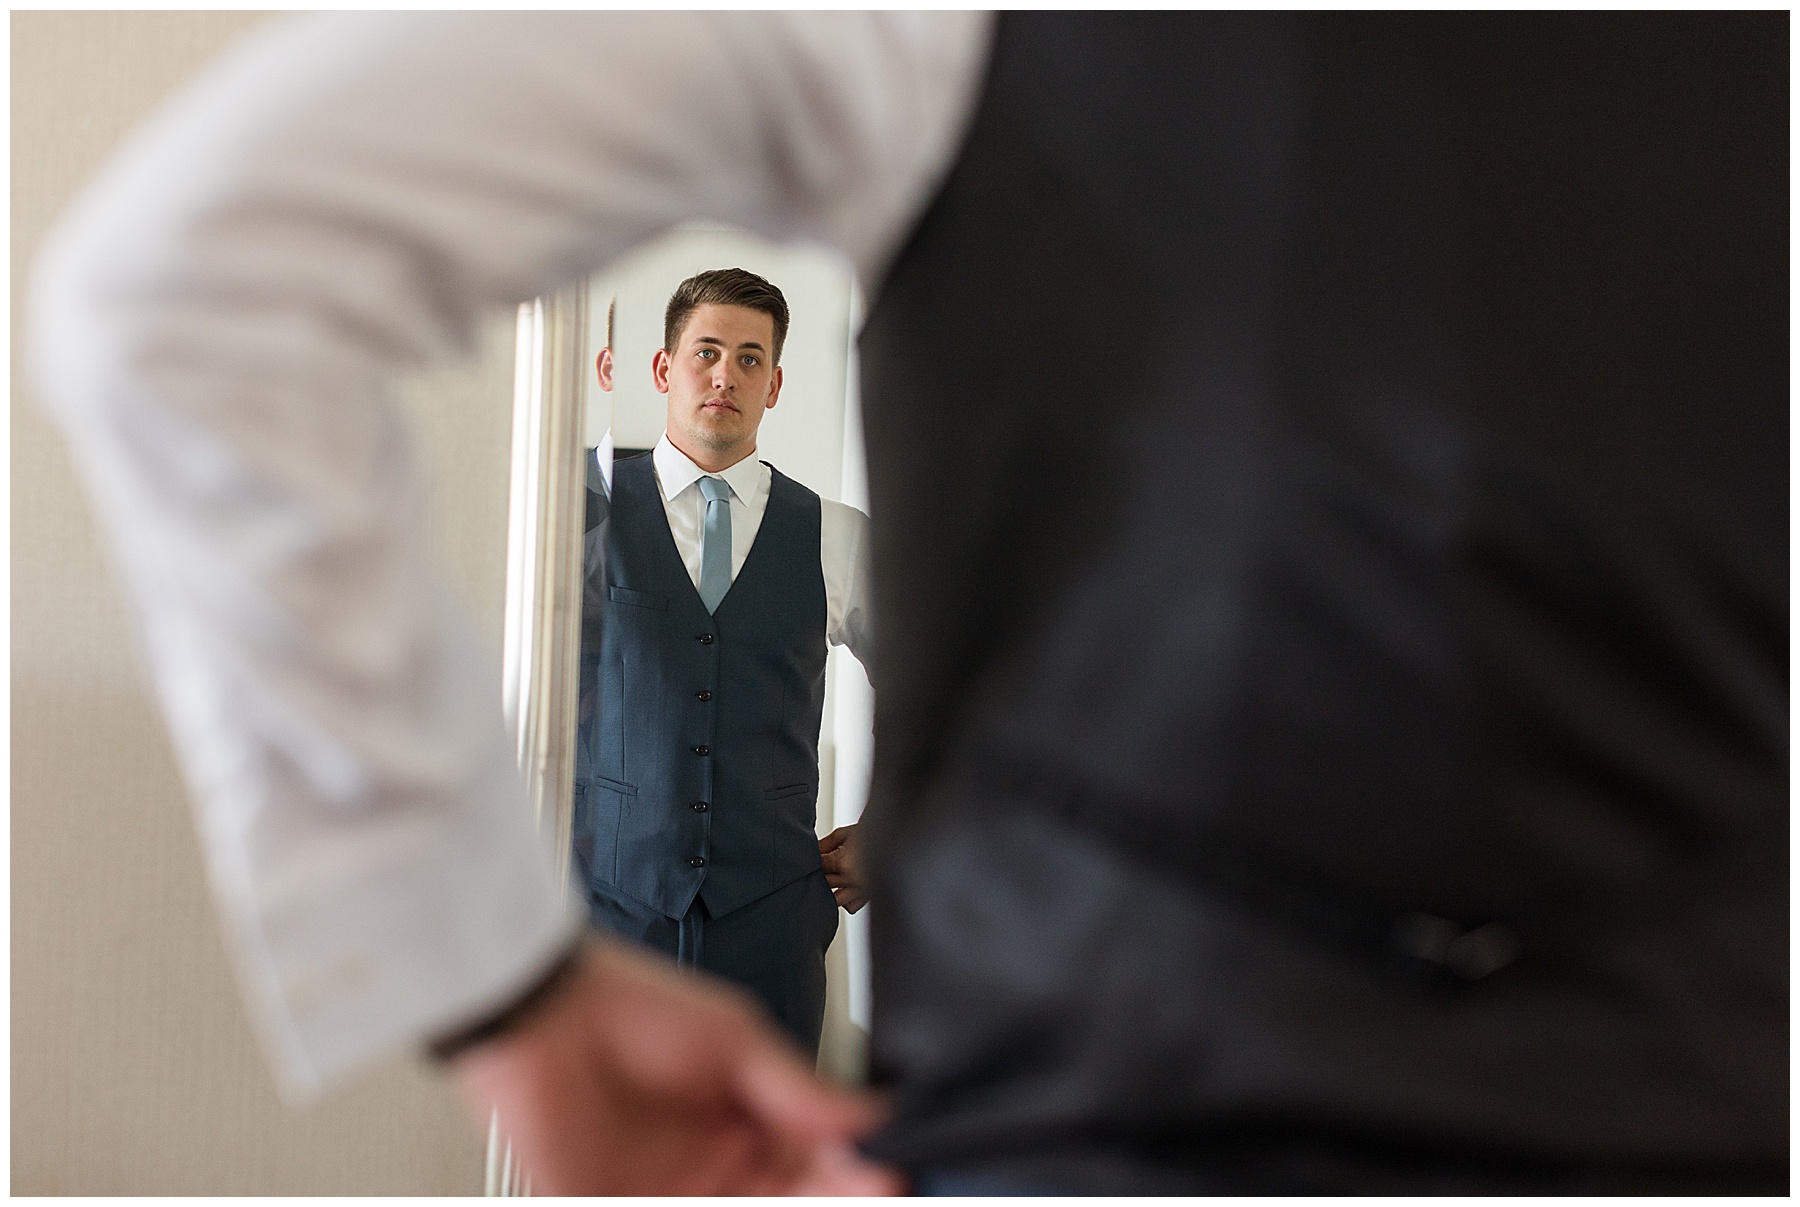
x=715 y=545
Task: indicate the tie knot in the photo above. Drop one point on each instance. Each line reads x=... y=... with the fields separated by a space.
x=715 y=489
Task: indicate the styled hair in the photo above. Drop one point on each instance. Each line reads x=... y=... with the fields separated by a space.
x=725 y=287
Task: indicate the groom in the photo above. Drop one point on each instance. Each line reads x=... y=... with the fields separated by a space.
x=708 y=614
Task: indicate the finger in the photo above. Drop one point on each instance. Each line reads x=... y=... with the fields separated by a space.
x=840 y=1170
x=790 y=1099
x=782 y=1165
x=740 y=1168
x=692 y=1054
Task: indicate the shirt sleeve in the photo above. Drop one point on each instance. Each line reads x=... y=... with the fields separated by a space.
x=844 y=555
x=215 y=325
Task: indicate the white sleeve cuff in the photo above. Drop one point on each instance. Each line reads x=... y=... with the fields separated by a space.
x=413 y=926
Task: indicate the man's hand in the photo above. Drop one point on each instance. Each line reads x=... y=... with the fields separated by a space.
x=841 y=854
x=633 y=1077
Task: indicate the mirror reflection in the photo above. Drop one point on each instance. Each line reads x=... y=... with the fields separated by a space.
x=724 y=724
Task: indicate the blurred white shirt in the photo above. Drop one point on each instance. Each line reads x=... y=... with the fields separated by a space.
x=215 y=325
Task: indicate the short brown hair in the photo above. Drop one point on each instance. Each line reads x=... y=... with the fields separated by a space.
x=725 y=287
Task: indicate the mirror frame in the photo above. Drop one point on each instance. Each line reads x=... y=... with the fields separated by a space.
x=540 y=673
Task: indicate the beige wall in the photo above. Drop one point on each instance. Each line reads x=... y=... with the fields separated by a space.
x=133 y=1068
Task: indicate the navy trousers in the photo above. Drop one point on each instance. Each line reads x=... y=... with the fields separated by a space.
x=774 y=947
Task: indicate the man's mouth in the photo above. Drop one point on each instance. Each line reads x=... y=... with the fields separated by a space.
x=718 y=404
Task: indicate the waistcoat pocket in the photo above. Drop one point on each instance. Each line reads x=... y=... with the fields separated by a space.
x=639 y=599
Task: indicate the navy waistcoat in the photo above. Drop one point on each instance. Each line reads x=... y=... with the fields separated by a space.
x=704 y=771
x=1404 y=554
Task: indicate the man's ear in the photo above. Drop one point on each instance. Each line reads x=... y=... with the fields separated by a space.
x=774 y=389
x=659 y=370
x=603 y=368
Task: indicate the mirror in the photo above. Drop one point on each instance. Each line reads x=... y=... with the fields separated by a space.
x=570 y=434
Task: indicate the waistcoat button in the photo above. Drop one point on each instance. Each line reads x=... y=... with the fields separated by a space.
x=703 y=751
x=699 y=806
x=706 y=639
x=703 y=697
x=696 y=862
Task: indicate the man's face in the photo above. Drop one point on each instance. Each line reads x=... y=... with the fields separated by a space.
x=719 y=380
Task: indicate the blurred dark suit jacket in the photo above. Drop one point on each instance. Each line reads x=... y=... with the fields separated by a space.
x=1329 y=476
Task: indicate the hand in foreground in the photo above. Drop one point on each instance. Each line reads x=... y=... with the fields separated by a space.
x=840 y=852
x=632 y=1077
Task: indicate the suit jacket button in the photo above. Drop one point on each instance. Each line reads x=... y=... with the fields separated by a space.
x=703 y=697
x=696 y=862
x=706 y=639
x=699 y=806
x=703 y=751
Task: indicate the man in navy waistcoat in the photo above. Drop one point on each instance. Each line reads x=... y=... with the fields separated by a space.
x=714 y=584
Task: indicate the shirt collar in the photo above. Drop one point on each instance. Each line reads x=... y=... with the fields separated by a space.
x=602 y=464
x=675 y=472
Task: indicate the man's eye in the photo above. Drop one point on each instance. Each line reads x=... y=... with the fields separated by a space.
x=706 y=354
x=749 y=360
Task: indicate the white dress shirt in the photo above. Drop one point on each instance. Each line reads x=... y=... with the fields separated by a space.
x=843 y=536
x=216 y=323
